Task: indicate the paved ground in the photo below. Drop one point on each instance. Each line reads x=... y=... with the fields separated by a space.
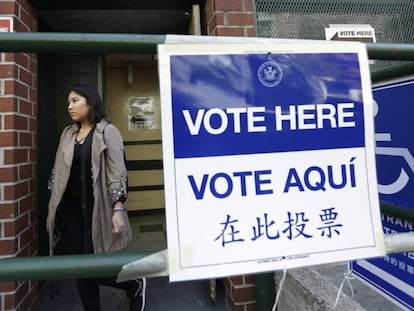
x=160 y=296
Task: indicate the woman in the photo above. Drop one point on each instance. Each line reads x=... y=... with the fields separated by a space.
x=88 y=191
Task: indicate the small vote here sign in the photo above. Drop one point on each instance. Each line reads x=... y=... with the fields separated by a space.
x=268 y=156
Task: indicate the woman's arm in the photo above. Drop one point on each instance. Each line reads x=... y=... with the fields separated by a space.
x=116 y=176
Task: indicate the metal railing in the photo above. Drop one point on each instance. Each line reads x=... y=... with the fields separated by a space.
x=59 y=267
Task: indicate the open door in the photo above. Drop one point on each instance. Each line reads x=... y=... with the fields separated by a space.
x=133 y=105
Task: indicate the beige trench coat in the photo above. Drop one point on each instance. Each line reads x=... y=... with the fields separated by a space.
x=109 y=178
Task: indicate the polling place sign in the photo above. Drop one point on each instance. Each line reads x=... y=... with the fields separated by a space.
x=269 y=158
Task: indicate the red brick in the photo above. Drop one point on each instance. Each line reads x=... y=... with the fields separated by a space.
x=9 y=57
x=13 y=228
x=27 y=19
x=8 y=7
x=19 y=26
x=234 y=31
x=33 y=97
x=240 y=19
x=8 y=210
x=209 y=10
x=19 y=58
x=16 y=191
x=12 y=301
x=250 y=32
x=25 y=107
x=210 y=28
x=16 y=88
x=8 y=139
x=8 y=247
x=15 y=156
x=219 y=19
x=25 y=76
x=34 y=247
x=33 y=185
x=32 y=65
x=34 y=84
x=33 y=154
x=228 y=5
x=8 y=174
x=236 y=280
x=25 y=204
x=34 y=105
x=8 y=71
x=8 y=104
x=23 y=251
x=32 y=125
x=8 y=286
x=25 y=171
x=25 y=238
x=15 y=122
x=28 y=7
x=251 y=306
x=34 y=218
x=233 y=306
x=244 y=294
x=26 y=139
x=31 y=301
x=249 y=279
x=248 y=5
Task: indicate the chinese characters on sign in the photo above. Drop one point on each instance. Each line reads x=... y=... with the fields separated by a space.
x=293 y=227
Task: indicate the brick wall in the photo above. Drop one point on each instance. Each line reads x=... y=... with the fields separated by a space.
x=240 y=293
x=230 y=18
x=18 y=163
x=234 y=18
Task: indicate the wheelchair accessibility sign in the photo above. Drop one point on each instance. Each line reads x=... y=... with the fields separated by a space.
x=394 y=126
x=393 y=274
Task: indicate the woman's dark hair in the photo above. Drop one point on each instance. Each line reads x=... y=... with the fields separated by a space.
x=93 y=99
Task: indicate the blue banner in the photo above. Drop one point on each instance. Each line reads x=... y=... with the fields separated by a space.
x=262 y=103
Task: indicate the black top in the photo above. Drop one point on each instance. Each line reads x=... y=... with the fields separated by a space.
x=78 y=200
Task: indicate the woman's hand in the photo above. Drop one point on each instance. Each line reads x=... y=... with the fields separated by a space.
x=48 y=224
x=118 y=221
x=48 y=220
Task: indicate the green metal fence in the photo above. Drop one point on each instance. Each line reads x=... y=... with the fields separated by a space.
x=58 y=267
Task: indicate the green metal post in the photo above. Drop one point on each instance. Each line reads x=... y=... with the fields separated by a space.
x=397 y=211
x=49 y=42
x=389 y=51
x=392 y=72
x=66 y=267
x=85 y=43
x=265 y=291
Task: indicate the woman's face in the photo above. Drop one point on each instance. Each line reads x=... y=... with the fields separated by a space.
x=78 y=107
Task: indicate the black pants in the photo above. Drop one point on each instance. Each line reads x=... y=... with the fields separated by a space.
x=77 y=239
x=89 y=290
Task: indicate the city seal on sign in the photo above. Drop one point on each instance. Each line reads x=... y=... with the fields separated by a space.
x=270 y=74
